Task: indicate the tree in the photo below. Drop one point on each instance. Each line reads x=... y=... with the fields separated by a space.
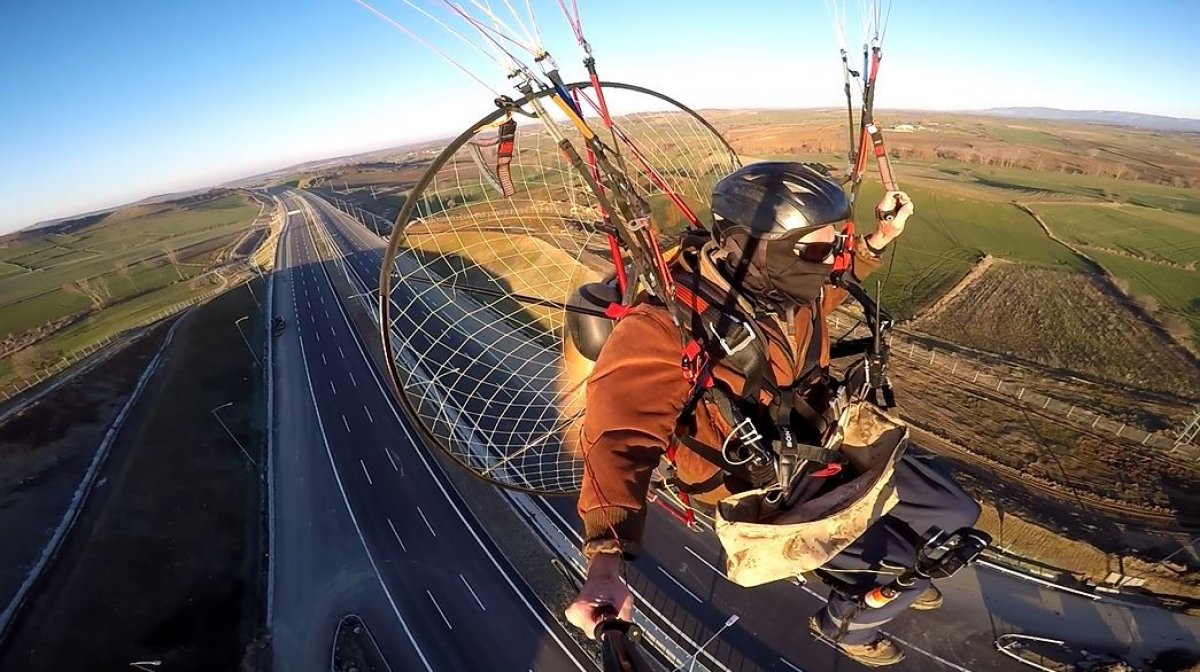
x=123 y=270
x=173 y=257
x=95 y=291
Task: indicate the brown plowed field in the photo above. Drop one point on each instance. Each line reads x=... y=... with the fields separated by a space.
x=1064 y=321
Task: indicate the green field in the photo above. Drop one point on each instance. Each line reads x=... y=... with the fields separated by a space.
x=124 y=258
x=97 y=249
x=1017 y=184
x=1176 y=291
x=1172 y=237
x=946 y=235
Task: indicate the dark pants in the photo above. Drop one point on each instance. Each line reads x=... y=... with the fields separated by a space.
x=929 y=498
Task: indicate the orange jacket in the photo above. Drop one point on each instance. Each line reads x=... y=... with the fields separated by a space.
x=634 y=396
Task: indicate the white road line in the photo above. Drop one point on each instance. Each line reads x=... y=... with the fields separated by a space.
x=340 y=350
x=354 y=519
x=347 y=424
x=397 y=536
x=645 y=604
x=439 y=608
x=326 y=313
x=352 y=381
x=331 y=387
x=323 y=360
x=706 y=563
x=318 y=336
x=943 y=661
x=365 y=472
x=786 y=662
x=391 y=459
x=426 y=521
x=333 y=331
x=395 y=409
x=368 y=412
x=681 y=586
x=477 y=600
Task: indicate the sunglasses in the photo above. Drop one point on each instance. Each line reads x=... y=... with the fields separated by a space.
x=817 y=252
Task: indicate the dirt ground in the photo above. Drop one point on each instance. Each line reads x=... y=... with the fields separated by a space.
x=1053 y=494
x=1055 y=491
x=1066 y=322
x=45 y=450
x=165 y=563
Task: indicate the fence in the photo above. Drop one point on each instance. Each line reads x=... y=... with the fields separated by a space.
x=925 y=356
x=14 y=388
x=264 y=256
x=265 y=252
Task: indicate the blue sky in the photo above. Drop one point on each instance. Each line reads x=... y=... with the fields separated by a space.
x=105 y=103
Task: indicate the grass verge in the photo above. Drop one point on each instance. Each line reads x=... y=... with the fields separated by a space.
x=165 y=563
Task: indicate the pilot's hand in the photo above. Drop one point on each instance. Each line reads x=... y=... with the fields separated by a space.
x=893 y=211
x=603 y=593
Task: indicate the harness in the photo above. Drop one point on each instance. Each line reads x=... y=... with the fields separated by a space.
x=720 y=327
x=762 y=448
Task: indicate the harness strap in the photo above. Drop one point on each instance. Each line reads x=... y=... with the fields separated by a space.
x=504 y=156
x=757 y=476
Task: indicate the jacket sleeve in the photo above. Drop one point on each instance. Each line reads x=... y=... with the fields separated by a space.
x=863 y=265
x=634 y=396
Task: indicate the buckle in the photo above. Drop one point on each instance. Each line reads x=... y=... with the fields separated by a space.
x=736 y=347
x=748 y=437
x=692 y=361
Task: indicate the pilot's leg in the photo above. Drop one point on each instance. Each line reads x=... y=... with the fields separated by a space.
x=929 y=498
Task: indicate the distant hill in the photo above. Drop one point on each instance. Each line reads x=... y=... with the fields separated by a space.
x=121 y=213
x=95 y=215
x=1148 y=121
x=333 y=162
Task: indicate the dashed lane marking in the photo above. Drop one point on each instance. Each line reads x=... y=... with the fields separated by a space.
x=681 y=586
x=347 y=424
x=397 y=536
x=706 y=563
x=477 y=600
x=365 y=472
x=789 y=664
x=439 y=608
x=431 y=531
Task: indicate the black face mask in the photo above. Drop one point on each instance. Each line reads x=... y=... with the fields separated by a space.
x=796 y=280
x=773 y=271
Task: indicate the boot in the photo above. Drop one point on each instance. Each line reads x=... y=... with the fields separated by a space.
x=879 y=653
x=930 y=599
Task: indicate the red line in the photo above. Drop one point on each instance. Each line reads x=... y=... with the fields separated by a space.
x=649 y=170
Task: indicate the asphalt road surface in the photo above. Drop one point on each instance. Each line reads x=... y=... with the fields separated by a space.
x=678 y=582
x=363 y=521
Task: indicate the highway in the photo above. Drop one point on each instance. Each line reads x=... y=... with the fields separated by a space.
x=678 y=582
x=363 y=521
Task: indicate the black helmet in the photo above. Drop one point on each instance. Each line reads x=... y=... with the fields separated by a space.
x=774 y=199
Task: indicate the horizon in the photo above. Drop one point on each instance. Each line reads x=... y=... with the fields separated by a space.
x=450 y=135
x=161 y=117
